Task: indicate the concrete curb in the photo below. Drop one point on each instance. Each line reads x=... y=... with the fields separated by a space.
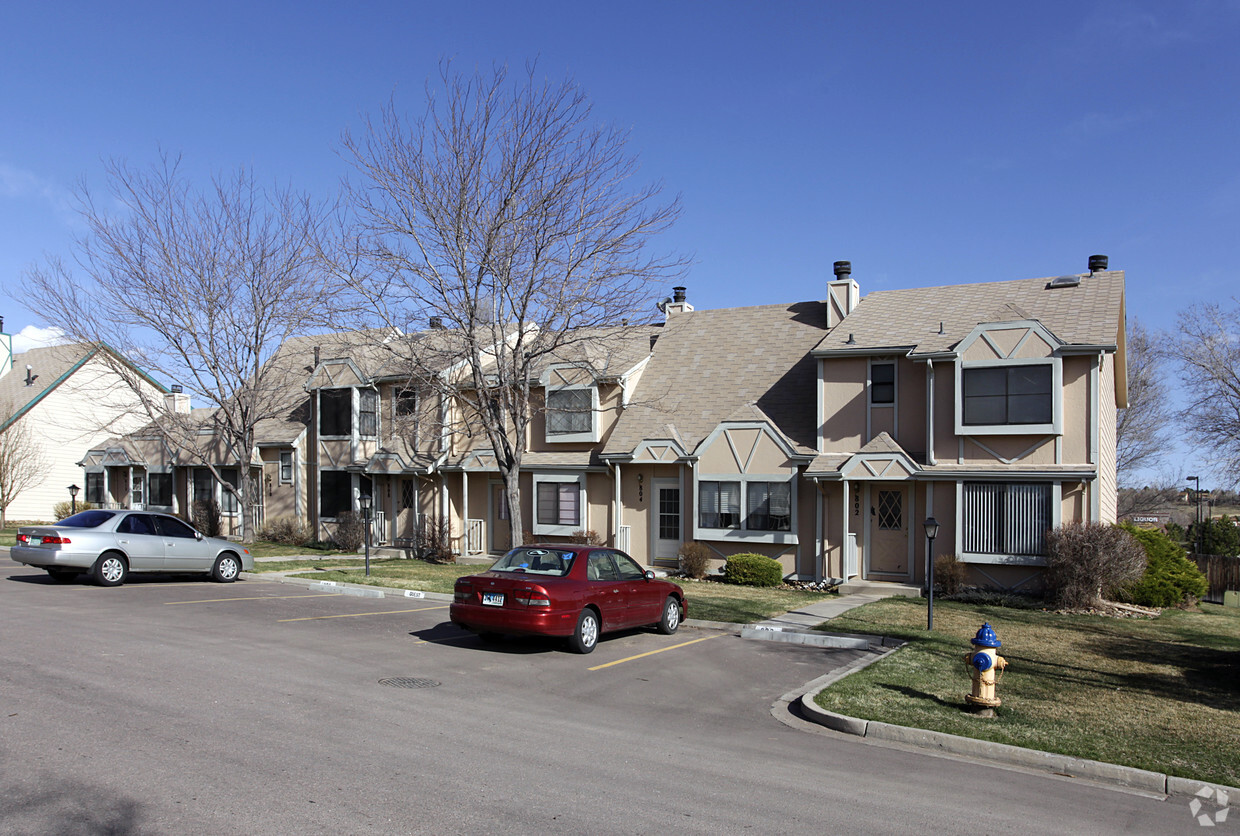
x=785 y=635
x=1065 y=765
x=341 y=588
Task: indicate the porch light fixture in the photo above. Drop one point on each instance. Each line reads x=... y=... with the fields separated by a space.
x=932 y=531
x=73 y=492
x=364 y=502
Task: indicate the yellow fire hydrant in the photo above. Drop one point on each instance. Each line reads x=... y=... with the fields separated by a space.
x=983 y=662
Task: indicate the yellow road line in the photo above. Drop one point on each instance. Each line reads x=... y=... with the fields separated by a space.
x=252 y=598
x=653 y=652
x=358 y=614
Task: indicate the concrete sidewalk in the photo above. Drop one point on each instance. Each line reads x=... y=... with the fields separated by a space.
x=797 y=627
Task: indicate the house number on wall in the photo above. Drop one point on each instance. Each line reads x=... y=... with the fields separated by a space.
x=856 y=502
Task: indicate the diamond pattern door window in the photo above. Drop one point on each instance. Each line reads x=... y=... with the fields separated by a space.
x=891 y=510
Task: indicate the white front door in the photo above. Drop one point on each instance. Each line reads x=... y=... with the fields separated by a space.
x=665 y=523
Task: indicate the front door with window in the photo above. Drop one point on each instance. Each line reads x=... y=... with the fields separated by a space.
x=407 y=508
x=890 y=511
x=665 y=523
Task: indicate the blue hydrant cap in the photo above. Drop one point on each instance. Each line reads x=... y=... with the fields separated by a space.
x=986 y=637
x=982 y=662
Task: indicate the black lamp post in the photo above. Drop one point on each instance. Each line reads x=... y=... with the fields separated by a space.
x=73 y=492
x=364 y=501
x=1197 y=515
x=932 y=531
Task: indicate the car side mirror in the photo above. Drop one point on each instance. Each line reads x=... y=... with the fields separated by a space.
x=649 y=574
x=198 y=535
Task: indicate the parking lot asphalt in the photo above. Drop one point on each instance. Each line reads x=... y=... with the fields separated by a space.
x=173 y=705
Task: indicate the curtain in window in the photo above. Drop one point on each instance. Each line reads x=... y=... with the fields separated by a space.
x=770 y=506
x=719 y=504
x=559 y=503
x=1006 y=519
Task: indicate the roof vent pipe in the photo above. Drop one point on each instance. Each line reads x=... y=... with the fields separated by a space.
x=1097 y=263
x=436 y=322
x=843 y=269
x=316 y=356
x=678 y=295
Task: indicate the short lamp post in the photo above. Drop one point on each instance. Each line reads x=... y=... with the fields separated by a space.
x=932 y=530
x=73 y=492
x=364 y=501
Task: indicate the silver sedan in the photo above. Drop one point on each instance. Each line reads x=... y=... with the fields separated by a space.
x=111 y=544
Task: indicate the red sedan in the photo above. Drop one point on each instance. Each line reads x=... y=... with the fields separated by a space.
x=579 y=592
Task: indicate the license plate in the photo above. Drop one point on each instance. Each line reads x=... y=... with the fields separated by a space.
x=493 y=599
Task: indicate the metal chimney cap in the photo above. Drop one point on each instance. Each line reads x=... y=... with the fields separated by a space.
x=176 y=389
x=678 y=294
x=843 y=269
x=1097 y=263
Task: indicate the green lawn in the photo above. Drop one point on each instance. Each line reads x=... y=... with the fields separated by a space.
x=1160 y=694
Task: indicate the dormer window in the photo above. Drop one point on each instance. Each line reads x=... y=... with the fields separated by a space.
x=336 y=412
x=570 y=413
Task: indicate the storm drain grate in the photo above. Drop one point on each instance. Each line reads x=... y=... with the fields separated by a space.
x=409 y=682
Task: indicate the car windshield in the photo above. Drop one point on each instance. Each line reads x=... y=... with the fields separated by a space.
x=535 y=562
x=86 y=519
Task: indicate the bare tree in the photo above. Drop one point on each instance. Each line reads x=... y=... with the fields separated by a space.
x=22 y=463
x=198 y=288
x=1142 y=433
x=510 y=216
x=1207 y=347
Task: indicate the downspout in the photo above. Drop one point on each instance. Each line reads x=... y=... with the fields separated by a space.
x=930 y=460
x=820 y=554
x=465 y=511
x=617 y=517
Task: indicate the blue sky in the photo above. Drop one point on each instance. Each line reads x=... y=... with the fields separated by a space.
x=928 y=143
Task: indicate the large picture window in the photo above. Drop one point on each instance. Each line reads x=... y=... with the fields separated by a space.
x=1006 y=519
x=335 y=492
x=1008 y=395
x=336 y=412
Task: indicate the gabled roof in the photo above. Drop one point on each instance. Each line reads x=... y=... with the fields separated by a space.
x=933 y=320
x=710 y=366
x=51 y=366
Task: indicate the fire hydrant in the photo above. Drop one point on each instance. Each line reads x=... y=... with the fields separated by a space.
x=983 y=662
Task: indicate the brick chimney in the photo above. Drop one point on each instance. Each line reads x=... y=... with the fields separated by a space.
x=676 y=304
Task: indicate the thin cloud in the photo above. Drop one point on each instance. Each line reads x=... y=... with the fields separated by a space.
x=33 y=336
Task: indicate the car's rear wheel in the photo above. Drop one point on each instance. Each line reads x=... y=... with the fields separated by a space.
x=63 y=575
x=585 y=637
x=670 y=621
x=226 y=568
x=110 y=569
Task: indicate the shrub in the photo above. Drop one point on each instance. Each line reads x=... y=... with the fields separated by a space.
x=949 y=574
x=1088 y=561
x=694 y=560
x=753 y=570
x=435 y=544
x=586 y=538
x=350 y=531
x=206 y=514
x=1170 y=578
x=288 y=531
x=1177 y=533
x=1218 y=536
x=64 y=509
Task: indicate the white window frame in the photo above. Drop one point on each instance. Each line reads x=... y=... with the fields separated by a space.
x=292 y=462
x=1054 y=427
x=592 y=435
x=743 y=534
x=1056 y=497
x=578 y=479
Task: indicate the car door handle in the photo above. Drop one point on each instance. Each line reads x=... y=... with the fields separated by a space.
x=126 y=542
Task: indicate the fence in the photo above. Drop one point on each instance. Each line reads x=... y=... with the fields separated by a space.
x=1222 y=572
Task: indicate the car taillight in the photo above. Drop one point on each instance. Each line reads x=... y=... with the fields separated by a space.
x=532 y=598
x=51 y=540
x=462 y=593
x=23 y=538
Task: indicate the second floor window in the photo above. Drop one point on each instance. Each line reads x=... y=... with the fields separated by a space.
x=569 y=411
x=286 y=467
x=336 y=412
x=1005 y=395
x=882 y=383
x=368 y=413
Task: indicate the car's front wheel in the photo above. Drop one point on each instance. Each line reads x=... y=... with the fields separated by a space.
x=670 y=621
x=585 y=637
x=110 y=569
x=226 y=568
